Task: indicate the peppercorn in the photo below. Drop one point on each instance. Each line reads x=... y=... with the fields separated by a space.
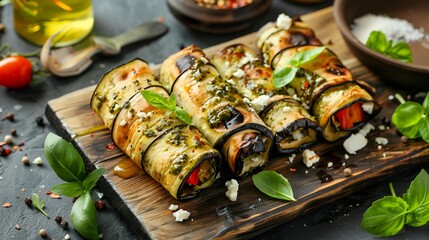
x=58 y=219
x=10 y=117
x=39 y=121
x=13 y=132
x=8 y=139
x=404 y=139
x=28 y=202
x=43 y=233
x=25 y=160
x=100 y=204
x=347 y=172
x=64 y=224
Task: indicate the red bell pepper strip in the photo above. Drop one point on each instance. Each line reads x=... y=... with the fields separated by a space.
x=193 y=178
x=347 y=117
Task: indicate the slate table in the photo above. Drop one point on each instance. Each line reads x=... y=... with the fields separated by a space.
x=340 y=220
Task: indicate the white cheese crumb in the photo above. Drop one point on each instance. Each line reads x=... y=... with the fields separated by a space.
x=346 y=156
x=330 y=164
x=173 y=207
x=381 y=127
x=111 y=117
x=284 y=21
x=67 y=237
x=296 y=97
x=368 y=107
x=116 y=107
x=247 y=101
x=297 y=134
x=230 y=81
x=379 y=147
x=141 y=114
x=129 y=115
x=181 y=215
x=420 y=95
x=391 y=97
x=355 y=142
x=251 y=85
x=245 y=60
x=239 y=73
x=381 y=140
x=260 y=102
x=305 y=105
x=232 y=191
x=38 y=161
x=292 y=157
x=123 y=123
x=366 y=129
x=8 y=139
x=384 y=155
x=309 y=157
x=306 y=171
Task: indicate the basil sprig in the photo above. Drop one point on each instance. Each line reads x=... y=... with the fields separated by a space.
x=283 y=76
x=411 y=118
x=69 y=166
x=399 y=50
x=157 y=100
x=387 y=216
x=38 y=204
x=274 y=185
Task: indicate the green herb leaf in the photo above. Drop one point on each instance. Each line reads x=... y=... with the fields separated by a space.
x=183 y=115
x=64 y=159
x=423 y=127
x=417 y=198
x=83 y=216
x=426 y=104
x=274 y=185
x=38 y=204
x=385 y=217
x=73 y=189
x=378 y=42
x=283 y=76
x=407 y=114
x=155 y=99
x=91 y=180
x=306 y=56
x=411 y=132
x=172 y=101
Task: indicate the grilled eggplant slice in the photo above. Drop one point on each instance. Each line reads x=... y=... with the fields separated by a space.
x=217 y=110
x=339 y=103
x=117 y=86
x=293 y=127
x=173 y=153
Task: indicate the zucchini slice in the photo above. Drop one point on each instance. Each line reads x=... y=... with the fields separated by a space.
x=293 y=127
x=217 y=110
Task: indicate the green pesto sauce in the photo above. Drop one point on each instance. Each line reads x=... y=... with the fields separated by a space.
x=176 y=138
x=178 y=163
x=218 y=116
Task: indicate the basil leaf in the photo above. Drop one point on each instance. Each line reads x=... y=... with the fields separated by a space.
x=172 y=101
x=385 y=217
x=306 y=56
x=407 y=114
x=38 y=204
x=424 y=128
x=155 y=99
x=183 y=115
x=274 y=185
x=400 y=51
x=283 y=76
x=377 y=41
x=91 y=180
x=426 y=104
x=83 y=217
x=64 y=159
x=411 y=132
x=73 y=189
x=417 y=198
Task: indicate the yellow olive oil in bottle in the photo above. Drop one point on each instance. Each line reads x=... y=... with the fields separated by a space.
x=37 y=20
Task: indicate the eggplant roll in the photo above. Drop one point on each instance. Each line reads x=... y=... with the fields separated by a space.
x=117 y=86
x=293 y=127
x=339 y=103
x=174 y=154
x=217 y=110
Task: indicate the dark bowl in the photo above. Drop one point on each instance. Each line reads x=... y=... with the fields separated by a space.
x=409 y=75
x=218 y=20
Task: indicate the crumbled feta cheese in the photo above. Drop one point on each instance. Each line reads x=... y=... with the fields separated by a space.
x=330 y=164
x=297 y=134
x=391 y=97
x=67 y=237
x=384 y=155
x=244 y=60
x=255 y=158
x=284 y=21
x=381 y=127
x=355 y=142
x=173 y=207
x=346 y=156
x=38 y=161
x=305 y=105
x=247 y=101
x=111 y=117
x=420 y=95
x=381 y=140
x=296 y=97
x=292 y=157
x=379 y=147
x=251 y=85
x=230 y=81
x=309 y=157
x=260 y=102
x=123 y=123
x=368 y=107
x=366 y=129
x=181 y=215
x=116 y=107
x=239 y=73
x=232 y=191
x=141 y=114
x=129 y=115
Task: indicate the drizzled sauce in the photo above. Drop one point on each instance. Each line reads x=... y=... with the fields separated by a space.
x=126 y=169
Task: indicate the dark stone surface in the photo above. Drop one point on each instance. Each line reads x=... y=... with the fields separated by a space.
x=335 y=221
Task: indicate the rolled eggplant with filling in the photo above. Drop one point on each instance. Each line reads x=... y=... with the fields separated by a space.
x=174 y=154
x=217 y=110
x=339 y=103
x=117 y=86
x=293 y=127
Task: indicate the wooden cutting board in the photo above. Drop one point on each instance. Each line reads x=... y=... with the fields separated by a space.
x=144 y=204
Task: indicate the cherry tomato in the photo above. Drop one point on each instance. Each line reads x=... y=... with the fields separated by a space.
x=15 y=72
